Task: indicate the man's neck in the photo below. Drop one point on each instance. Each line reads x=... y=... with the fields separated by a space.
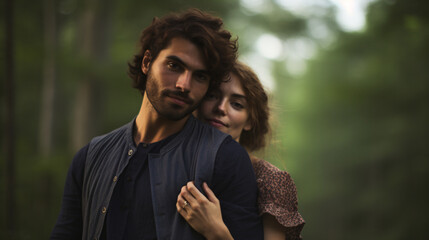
x=151 y=127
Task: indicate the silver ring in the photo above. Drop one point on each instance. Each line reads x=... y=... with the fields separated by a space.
x=186 y=204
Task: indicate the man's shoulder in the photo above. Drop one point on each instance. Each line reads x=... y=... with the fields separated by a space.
x=207 y=129
x=227 y=147
x=231 y=155
x=202 y=134
x=231 y=147
x=115 y=134
x=112 y=140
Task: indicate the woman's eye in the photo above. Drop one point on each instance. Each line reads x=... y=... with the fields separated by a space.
x=237 y=105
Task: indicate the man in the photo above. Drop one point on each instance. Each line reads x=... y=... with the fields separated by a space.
x=124 y=185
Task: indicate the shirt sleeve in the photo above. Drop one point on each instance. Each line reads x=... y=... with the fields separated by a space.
x=69 y=222
x=234 y=184
x=278 y=197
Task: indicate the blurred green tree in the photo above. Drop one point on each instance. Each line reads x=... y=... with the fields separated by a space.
x=354 y=128
x=71 y=84
x=358 y=129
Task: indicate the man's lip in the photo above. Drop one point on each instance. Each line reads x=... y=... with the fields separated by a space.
x=179 y=100
x=216 y=122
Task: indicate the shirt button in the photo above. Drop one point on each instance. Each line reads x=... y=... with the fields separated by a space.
x=104 y=210
x=130 y=152
x=115 y=179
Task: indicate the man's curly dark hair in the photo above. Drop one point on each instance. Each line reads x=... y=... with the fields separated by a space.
x=202 y=29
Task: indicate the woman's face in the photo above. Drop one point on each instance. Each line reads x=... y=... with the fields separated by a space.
x=226 y=109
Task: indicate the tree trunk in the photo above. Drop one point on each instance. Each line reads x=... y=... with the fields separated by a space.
x=49 y=75
x=10 y=124
x=93 y=30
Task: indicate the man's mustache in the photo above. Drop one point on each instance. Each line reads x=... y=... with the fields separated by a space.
x=183 y=96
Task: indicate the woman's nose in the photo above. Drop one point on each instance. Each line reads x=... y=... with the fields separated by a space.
x=221 y=107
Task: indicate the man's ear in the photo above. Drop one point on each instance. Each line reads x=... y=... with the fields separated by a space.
x=147 y=58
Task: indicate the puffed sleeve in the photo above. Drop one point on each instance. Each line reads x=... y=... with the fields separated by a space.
x=278 y=197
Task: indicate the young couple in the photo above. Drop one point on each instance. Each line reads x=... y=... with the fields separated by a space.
x=167 y=175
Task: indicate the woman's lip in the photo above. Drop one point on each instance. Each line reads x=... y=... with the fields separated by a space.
x=216 y=123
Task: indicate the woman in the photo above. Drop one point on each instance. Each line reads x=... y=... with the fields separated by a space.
x=240 y=108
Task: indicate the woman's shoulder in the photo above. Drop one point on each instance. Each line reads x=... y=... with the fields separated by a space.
x=274 y=183
x=266 y=171
x=277 y=194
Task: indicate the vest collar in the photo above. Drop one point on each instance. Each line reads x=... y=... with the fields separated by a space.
x=181 y=136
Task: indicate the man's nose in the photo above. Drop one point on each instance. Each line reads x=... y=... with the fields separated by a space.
x=184 y=81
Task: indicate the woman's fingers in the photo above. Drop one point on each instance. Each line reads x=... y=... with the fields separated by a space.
x=195 y=192
x=184 y=200
x=188 y=196
x=210 y=194
x=191 y=199
x=203 y=214
x=179 y=207
x=180 y=204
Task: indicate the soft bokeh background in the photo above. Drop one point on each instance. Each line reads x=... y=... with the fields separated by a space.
x=348 y=81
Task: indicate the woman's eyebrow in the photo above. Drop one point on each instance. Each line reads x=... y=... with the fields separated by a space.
x=236 y=95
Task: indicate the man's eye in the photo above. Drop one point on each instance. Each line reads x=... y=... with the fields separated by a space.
x=173 y=66
x=202 y=77
x=210 y=96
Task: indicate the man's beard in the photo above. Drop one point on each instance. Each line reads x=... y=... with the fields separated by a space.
x=165 y=109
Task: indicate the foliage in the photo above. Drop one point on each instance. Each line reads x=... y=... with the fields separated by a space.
x=358 y=130
x=352 y=131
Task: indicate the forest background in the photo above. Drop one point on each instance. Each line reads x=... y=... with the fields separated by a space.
x=350 y=107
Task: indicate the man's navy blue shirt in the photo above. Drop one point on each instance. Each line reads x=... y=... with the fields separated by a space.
x=130 y=213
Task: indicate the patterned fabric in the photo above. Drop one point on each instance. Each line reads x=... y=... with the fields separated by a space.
x=278 y=197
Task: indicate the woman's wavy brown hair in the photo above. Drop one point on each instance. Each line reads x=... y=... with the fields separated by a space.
x=200 y=28
x=257 y=101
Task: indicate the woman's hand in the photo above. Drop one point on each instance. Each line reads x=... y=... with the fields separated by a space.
x=203 y=214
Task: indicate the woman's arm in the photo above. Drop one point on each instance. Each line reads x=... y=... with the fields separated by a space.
x=203 y=214
x=273 y=230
